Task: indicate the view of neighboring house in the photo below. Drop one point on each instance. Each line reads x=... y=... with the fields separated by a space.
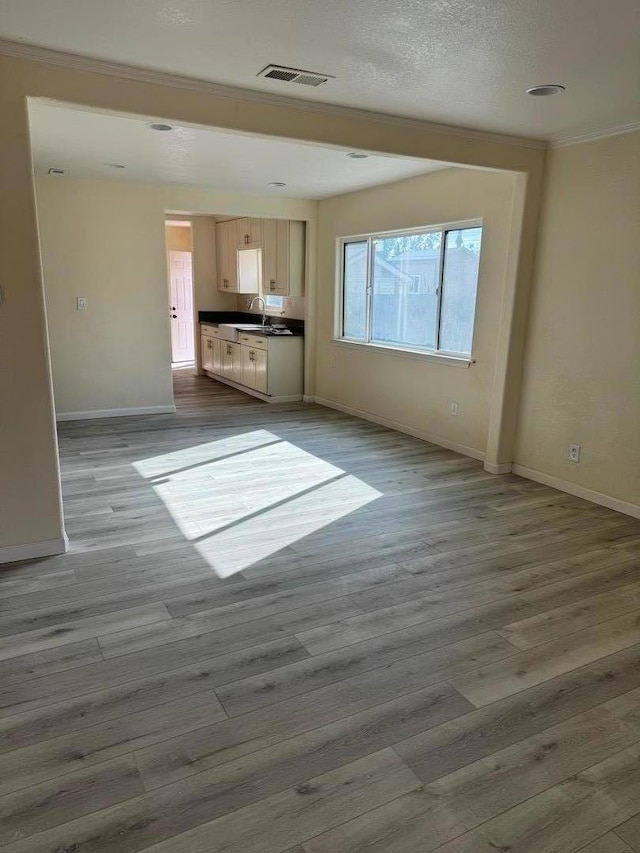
x=405 y=302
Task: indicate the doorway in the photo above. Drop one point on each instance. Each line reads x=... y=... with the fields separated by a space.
x=180 y=269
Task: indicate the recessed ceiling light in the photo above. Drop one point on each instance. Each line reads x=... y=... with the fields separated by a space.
x=277 y=184
x=356 y=156
x=160 y=126
x=115 y=165
x=545 y=89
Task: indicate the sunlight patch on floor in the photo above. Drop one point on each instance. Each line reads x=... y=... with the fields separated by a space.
x=241 y=499
x=260 y=536
x=167 y=463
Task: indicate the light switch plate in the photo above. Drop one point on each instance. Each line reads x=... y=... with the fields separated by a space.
x=82 y=303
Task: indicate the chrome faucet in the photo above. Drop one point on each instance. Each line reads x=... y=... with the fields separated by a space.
x=264 y=308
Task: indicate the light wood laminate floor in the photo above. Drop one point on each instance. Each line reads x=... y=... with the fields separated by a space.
x=281 y=629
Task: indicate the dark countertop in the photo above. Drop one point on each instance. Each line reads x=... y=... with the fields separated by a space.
x=214 y=318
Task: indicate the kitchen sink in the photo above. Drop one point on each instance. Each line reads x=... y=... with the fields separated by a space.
x=250 y=327
x=229 y=331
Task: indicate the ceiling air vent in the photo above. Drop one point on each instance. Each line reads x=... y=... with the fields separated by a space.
x=294 y=75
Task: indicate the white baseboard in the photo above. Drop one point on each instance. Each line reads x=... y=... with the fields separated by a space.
x=33 y=550
x=308 y=398
x=497 y=467
x=578 y=491
x=115 y=413
x=416 y=433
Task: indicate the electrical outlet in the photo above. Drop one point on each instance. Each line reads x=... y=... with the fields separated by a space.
x=82 y=303
x=455 y=408
x=574 y=452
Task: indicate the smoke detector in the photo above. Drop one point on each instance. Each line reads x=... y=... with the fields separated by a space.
x=294 y=75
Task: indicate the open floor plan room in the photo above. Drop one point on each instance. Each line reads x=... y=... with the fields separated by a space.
x=319 y=426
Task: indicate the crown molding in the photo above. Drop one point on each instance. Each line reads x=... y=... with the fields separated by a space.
x=594 y=135
x=77 y=62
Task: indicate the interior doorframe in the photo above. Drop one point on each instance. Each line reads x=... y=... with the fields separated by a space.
x=182 y=222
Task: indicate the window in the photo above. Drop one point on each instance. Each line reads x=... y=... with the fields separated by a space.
x=413 y=290
x=275 y=303
x=414 y=283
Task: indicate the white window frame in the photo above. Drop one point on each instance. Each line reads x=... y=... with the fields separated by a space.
x=454 y=358
x=414 y=287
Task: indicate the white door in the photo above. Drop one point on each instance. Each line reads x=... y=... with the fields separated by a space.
x=181 y=306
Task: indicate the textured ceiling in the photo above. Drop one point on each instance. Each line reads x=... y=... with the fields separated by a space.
x=451 y=61
x=82 y=143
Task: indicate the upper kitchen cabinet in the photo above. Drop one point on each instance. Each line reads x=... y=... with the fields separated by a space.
x=283 y=257
x=227 y=253
x=249 y=233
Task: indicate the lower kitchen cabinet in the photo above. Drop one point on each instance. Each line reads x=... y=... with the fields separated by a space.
x=231 y=366
x=207 y=352
x=216 y=348
x=254 y=368
x=210 y=348
x=267 y=367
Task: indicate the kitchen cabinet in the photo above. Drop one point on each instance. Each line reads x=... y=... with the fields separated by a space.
x=283 y=257
x=279 y=246
x=249 y=270
x=207 y=352
x=210 y=348
x=254 y=368
x=231 y=361
x=216 y=349
x=248 y=233
x=227 y=255
x=239 y=271
x=270 y=368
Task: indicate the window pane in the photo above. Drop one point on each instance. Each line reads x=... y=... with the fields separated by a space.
x=276 y=302
x=354 y=307
x=405 y=289
x=460 y=283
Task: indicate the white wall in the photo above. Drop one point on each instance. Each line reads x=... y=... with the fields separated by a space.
x=105 y=240
x=581 y=381
x=179 y=238
x=413 y=392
